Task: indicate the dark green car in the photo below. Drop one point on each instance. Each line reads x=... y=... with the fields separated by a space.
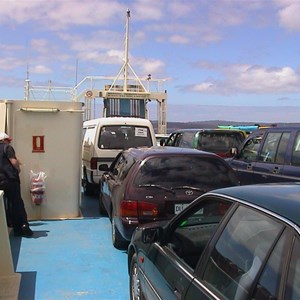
x=234 y=243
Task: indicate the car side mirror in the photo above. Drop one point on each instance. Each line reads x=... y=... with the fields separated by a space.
x=151 y=235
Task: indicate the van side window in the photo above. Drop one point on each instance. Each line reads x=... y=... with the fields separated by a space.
x=186 y=140
x=171 y=139
x=274 y=147
x=250 y=150
x=177 y=140
x=296 y=151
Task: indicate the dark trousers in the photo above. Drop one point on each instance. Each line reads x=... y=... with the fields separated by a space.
x=15 y=210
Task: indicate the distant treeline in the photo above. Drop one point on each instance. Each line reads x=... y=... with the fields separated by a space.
x=171 y=126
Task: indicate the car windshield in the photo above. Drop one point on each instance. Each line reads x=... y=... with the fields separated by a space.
x=124 y=137
x=191 y=171
x=219 y=141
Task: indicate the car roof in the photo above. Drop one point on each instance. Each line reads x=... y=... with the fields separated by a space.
x=281 y=128
x=117 y=121
x=280 y=198
x=208 y=130
x=143 y=152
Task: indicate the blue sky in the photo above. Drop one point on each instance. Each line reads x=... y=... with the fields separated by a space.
x=234 y=60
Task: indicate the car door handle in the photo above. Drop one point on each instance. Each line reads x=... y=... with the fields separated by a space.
x=276 y=170
x=177 y=294
x=178 y=289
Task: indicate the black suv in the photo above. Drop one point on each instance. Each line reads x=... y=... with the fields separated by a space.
x=268 y=155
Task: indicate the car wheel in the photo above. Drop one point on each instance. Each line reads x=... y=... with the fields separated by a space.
x=134 y=281
x=117 y=239
x=88 y=188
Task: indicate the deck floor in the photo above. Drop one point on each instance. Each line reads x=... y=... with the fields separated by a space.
x=71 y=259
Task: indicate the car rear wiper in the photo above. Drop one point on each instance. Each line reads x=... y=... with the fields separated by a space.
x=157 y=186
x=187 y=187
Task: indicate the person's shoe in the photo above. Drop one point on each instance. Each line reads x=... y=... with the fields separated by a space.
x=24 y=231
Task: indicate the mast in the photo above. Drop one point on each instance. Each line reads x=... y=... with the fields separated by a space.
x=126 y=59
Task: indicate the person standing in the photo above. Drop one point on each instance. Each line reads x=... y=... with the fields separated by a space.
x=10 y=184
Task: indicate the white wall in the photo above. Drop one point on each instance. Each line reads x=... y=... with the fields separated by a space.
x=61 y=159
x=9 y=280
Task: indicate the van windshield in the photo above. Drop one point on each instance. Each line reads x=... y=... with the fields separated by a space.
x=124 y=137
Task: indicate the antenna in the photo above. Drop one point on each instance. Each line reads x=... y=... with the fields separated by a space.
x=27 y=85
x=76 y=72
x=126 y=59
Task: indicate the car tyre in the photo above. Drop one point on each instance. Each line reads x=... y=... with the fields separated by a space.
x=134 y=281
x=117 y=239
x=102 y=210
x=88 y=188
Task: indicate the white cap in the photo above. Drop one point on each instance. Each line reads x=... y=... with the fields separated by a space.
x=4 y=136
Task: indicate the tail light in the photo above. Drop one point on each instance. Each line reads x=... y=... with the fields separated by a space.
x=94 y=163
x=138 y=208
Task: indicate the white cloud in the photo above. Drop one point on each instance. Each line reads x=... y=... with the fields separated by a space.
x=39 y=69
x=148 y=66
x=11 y=48
x=178 y=39
x=57 y=14
x=250 y=79
x=181 y=8
x=203 y=87
x=289 y=14
x=10 y=63
x=147 y=9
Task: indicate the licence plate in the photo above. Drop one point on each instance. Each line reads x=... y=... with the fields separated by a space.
x=179 y=207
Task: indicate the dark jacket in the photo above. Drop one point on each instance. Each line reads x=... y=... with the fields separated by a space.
x=7 y=170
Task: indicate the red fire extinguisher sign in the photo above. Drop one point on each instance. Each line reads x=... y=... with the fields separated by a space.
x=38 y=143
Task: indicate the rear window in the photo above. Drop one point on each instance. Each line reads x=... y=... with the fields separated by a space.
x=124 y=137
x=219 y=141
x=195 y=171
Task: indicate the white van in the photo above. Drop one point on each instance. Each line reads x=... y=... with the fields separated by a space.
x=104 y=138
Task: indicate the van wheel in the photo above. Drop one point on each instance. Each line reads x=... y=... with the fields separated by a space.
x=117 y=239
x=88 y=188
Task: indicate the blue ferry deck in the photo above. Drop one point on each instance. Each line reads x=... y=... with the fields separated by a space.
x=71 y=259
